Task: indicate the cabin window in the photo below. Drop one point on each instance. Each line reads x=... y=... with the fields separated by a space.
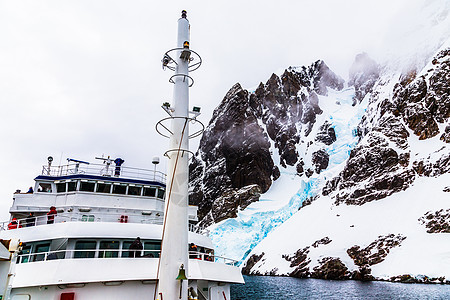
x=125 y=246
x=103 y=187
x=87 y=218
x=134 y=190
x=72 y=186
x=61 y=187
x=161 y=193
x=87 y=186
x=45 y=187
x=39 y=249
x=88 y=246
x=149 y=191
x=152 y=248
x=109 y=249
x=119 y=189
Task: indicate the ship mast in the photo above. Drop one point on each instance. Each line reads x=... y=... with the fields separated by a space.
x=174 y=261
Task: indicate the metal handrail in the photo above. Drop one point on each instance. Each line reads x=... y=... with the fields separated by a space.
x=114 y=253
x=212 y=258
x=104 y=170
x=91 y=217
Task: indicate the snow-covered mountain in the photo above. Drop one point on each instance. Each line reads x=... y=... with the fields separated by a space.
x=310 y=176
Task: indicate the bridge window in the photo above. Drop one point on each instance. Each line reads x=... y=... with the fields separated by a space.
x=89 y=246
x=103 y=187
x=119 y=189
x=161 y=193
x=71 y=186
x=109 y=249
x=61 y=187
x=149 y=191
x=134 y=190
x=45 y=187
x=87 y=186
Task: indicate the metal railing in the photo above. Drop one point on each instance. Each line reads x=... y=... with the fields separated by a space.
x=212 y=258
x=104 y=170
x=86 y=253
x=114 y=253
x=92 y=217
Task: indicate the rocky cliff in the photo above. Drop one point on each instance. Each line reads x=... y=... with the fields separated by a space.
x=234 y=163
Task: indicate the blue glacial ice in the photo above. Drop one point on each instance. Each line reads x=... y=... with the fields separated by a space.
x=236 y=237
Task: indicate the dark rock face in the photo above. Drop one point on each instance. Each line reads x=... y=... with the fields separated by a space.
x=446 y=135
x=429 y=167
x=326 y=134
x=424 y=101
x=437 y=222
x=231 y=200
x=331 y=268
x=251 y=262
x=375 y=164
x=300 y=261
x=373 y=254
x=320 y=160
x=406 y=278
x=234 y=152
x=363 y=74
x=324 y=241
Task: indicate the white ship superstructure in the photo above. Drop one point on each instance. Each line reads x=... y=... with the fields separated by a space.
x=83 y=251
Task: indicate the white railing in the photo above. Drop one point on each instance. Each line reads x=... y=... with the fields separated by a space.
x=92 y=217
x=212 y=258
x=82 y=217
x=104 y=170
x=114 y=253
x=86 y=253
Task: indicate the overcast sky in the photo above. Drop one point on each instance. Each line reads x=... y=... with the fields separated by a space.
x=83 y=78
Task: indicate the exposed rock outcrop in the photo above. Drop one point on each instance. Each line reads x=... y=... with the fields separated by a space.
x=331 y=268
x=300 y=261
x=326 y=134
x=437 y=222
x=251 y=262
x=376 y=252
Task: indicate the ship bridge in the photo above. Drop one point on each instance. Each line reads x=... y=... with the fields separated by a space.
x=84 y=192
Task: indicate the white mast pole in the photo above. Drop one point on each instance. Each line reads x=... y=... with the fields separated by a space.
x=174 y=252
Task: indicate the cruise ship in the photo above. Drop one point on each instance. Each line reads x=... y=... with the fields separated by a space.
x=73 y=234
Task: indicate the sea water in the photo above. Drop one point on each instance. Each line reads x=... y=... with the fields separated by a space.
x=287 y=288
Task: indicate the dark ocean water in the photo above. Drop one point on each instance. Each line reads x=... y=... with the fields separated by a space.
x=286 y=288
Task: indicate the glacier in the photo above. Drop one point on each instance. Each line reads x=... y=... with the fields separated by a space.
x=236 y=237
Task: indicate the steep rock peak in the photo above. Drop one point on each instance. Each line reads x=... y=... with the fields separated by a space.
x=319 y=77
x=362 y=75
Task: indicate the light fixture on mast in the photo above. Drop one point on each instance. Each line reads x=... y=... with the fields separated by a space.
x=155 y=161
